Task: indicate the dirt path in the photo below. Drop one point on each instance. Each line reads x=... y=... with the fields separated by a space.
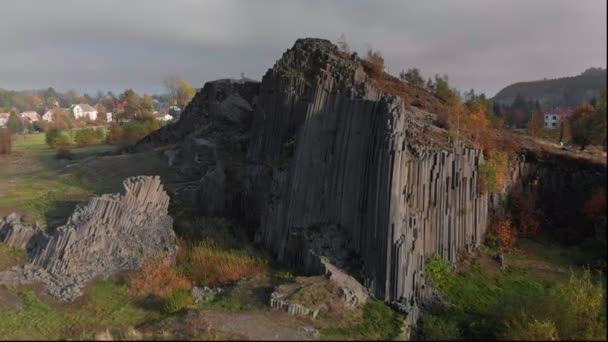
x=260 y=325
x=266 y=325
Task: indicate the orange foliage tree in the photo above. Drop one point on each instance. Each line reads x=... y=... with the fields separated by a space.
x=501 y=234
x=525 y=213
x=536 y=123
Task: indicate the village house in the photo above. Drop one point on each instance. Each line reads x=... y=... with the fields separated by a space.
x=108 y=117
x=48 y=116
x=84 y=110
x=31 y=116
x=554 y=117
x=4 y=118
x=163 y=117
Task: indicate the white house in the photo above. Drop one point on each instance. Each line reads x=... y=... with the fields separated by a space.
x=165 y=117
x=48 y=116
x=552 y=120
x=4 y=118
x=109 y=117
x=84 y=110
x=554 y=117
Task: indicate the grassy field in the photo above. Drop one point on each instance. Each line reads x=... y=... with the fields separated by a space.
x=105 y=304
x=45 y=189
x=544 y=283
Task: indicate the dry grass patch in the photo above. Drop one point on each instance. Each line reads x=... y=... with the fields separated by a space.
x=212 y=265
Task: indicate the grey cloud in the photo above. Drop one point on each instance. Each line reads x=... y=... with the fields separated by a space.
x=481 y=44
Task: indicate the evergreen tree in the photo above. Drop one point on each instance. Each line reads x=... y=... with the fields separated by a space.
x=14 y=124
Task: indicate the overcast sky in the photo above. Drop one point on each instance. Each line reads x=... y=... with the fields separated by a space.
x=114 y=45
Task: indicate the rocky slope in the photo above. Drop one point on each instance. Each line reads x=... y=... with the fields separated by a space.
x=107 y=234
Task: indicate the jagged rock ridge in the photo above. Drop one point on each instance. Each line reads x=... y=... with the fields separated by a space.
x=108 y=234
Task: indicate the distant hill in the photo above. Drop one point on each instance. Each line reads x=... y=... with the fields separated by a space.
x=566 y=91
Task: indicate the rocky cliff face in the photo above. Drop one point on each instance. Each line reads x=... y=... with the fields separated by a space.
x=325 y=164
x=562 y=185
x=107 y=234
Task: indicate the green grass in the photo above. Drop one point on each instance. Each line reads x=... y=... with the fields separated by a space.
x=484 y=301
x=10 y=256
x=105 y=305
x=379 y=322
x=45 y=189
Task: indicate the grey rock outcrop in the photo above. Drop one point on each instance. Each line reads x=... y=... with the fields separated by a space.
x=14 y=233
x=108 y=234
x=278 y=301
x=326 y=146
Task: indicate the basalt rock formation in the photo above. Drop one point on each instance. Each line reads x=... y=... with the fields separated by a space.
x=322 y=146
x=108 y=234
x=339 y=169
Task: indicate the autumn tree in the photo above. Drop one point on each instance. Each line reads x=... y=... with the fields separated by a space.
x=101 y=109
x=107 y=102
x=61 y=119
x=131 y=101
x=536 y=123
x=443 y=90
x=412 y=76
x=180 y=92
x=375 y=62
x=565 y=134
x=582 y=125
x=70 y=98
x=146 y=108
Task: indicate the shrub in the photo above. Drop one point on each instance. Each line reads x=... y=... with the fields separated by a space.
x=85 y=137
x=375 y=63
x=156 y=277
x=6 y=141
x=573 y=310
x=115 y=135
x=437 y=329
x=506 y=236
x=379 y=322
x=131 y=132
x=209 y=264
x=56 y=138
x=525 y=213
x=493 y=171
x=99 y=133
x=583 y=308
x=177 y=300
x=525 y=330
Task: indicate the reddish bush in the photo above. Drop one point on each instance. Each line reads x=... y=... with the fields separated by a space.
x=375 y=63
x=501 y=235
x=157 y=277
x=115 y=135
x=525 y=213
